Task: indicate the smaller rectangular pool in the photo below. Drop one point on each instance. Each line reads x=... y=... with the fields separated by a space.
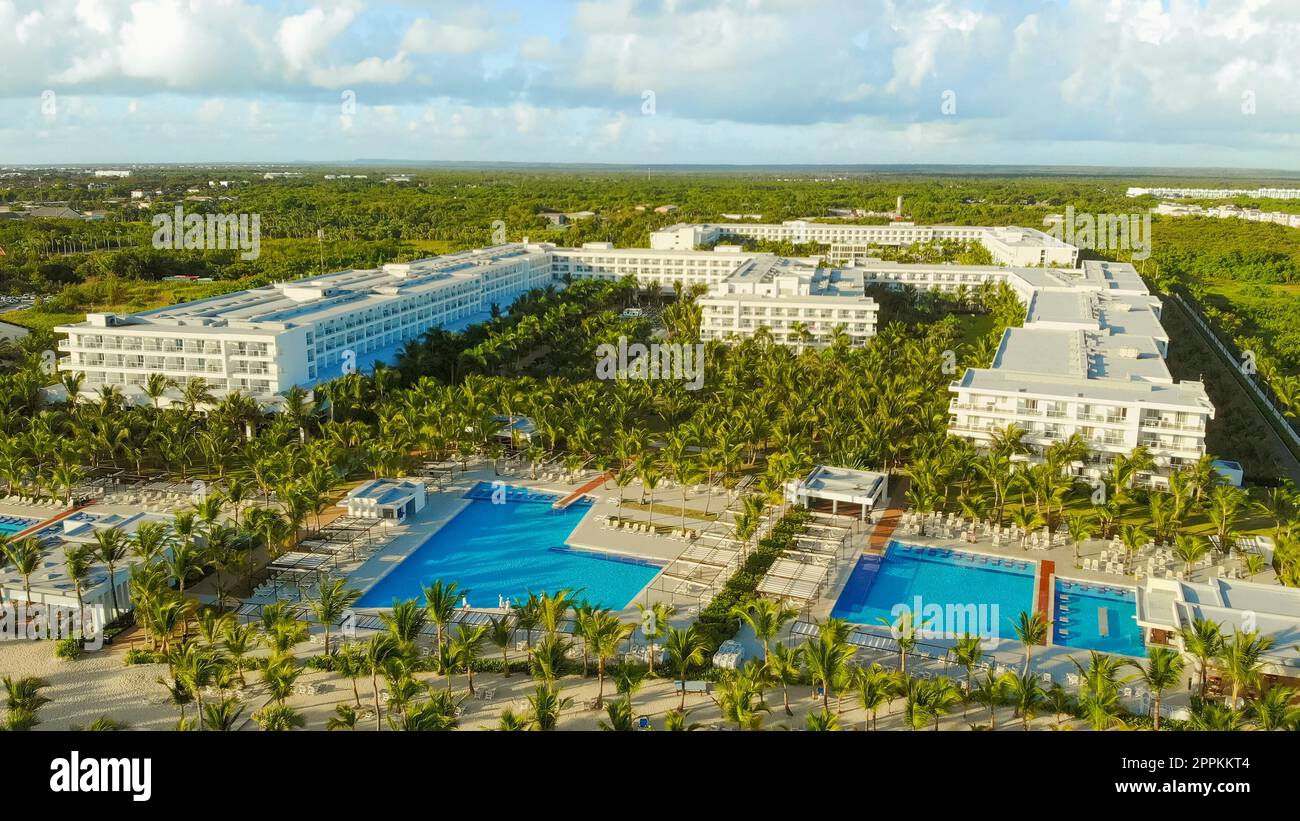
x=974 y=593
x=9 y=525
x=1094 y=616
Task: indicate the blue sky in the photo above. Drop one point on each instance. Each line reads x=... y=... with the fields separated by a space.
x=1116 y=82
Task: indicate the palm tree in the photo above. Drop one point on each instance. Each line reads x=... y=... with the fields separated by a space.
x=740 y=700
x=111 y=546
x=25 y=555
x=1027 y=520
x=465 y=651
x=686 y=648
x=1203 y=640
x=1031 y=630
x=1079 y=526
x=501 y=632
x=1242 y=661
x=1025 y=693
x=1211 y=716
x=511 y=721
x=222 y=715
x=1163 y=669
x=545 y=706
x=1190 y=549
x=992 y=693
x=23 y=699
x=766 y=617
x=968 y=650
x=238 y=642
x=783 y=665
x=606 y=633
x=1275 y=710
x=876 y=687
x=654 y=624
x=1134 y=537
x=822 y=721
x=344 y=718
x=76 y=563
x=332 y=602
x=378 y=651
x=620 y=717
x=279 y=718
x=826 y=658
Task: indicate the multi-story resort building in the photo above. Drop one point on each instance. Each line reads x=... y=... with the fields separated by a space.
x=265 y=340
x=849 y=243
x=1217 y=193
x=1090 y=358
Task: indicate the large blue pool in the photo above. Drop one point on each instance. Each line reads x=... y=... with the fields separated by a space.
x=1079 y=615
x=979 y=594
x=509 y=549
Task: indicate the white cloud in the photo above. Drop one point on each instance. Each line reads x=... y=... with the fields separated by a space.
x=466 y=34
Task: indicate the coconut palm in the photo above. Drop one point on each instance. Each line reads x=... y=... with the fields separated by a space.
x=991 y=691
x=1080 y=528
x=876 y=687
x=1275 y=710
x=378 y=651
x=822 y=721
x=25 y=555
x=620 y=717
x=1190 y=549
x=654 y=624
x=784 y=667
x=826 y=658
x=279 y=718
x=344 y=718
x=686 y=648
x=221 y=716
x=1031 y=630
x=968 y=650
x=1163 y=669
x=501 y=632
x=545 y=706
x=465 y=651
x=740 y=699
x=1025 y=694
x=1203 y=641
x=440 y=601
x=331 y=604
x=766 y=617
x=1242 y=661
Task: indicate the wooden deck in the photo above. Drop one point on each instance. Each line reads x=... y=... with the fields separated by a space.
x=582 y=491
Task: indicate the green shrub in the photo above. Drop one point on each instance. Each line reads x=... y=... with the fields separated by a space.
x=69 y=649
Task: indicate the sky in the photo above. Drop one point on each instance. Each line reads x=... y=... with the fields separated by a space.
x=1056 y=82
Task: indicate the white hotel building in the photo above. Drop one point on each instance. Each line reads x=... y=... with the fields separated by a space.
x=265 y=340
x=849 y=243
x=1090 y=359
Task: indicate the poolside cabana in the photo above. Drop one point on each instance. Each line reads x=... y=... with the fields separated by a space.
x=391 y=501
x=829 y=488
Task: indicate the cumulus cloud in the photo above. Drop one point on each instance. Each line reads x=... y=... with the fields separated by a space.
x=761 y=76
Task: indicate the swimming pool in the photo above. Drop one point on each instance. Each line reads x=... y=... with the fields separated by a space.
x=9 y=525
x=509 y=549
x=973 y=590
x=1079 y=607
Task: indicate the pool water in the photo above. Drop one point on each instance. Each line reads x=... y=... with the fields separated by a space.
x=1078 y=618
x=999 y=590
x=9 y=525
x=510 y=549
